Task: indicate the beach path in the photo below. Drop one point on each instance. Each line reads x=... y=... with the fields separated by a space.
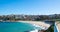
x=58 y=25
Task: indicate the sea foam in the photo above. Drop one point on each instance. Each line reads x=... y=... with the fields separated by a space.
x=34 y=30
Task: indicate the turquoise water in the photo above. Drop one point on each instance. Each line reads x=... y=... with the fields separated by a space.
x=15 y=27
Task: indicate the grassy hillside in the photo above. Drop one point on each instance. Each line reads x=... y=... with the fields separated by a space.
x=50 y=29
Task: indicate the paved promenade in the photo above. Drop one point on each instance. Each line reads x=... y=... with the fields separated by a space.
x=58 y=25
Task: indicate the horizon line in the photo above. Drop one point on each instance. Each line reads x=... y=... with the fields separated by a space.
x=28 y=14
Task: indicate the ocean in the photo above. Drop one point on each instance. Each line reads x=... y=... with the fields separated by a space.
x=16 y=27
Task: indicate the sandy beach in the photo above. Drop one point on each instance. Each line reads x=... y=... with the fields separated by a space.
x=40 y=23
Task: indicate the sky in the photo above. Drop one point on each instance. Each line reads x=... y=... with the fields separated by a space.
x=29 y=7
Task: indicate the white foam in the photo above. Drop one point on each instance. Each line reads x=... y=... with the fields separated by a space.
x=42 y=27
x=36 y=25
x=34 y=30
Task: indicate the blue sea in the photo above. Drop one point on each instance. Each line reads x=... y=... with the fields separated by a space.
x=16 y=27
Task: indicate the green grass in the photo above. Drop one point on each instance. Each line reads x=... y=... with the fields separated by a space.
x=56 y=19
x=50 y=29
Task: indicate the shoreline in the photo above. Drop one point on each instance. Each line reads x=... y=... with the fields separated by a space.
x=43 y=25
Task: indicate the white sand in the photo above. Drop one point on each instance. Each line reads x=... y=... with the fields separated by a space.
x=40 y=23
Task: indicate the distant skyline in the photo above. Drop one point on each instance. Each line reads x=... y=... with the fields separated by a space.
x=29 y=7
